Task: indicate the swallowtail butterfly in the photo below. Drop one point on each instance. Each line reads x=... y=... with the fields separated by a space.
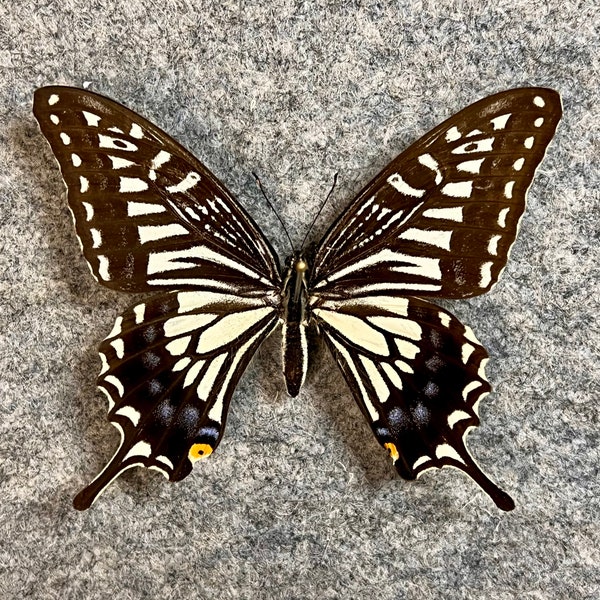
x=437 y=222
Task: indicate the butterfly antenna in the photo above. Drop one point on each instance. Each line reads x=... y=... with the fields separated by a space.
x=276 y=213
x=335 y=178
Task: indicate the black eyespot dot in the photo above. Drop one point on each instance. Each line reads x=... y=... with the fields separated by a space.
x=471 y=147
x=119 y=143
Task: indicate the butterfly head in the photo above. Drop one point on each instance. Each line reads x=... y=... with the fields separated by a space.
x=296 y=264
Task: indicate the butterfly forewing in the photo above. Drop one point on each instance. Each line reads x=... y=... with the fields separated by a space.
x=441 y=218
x=417 y=374
x=148 y=214
x=170 y=366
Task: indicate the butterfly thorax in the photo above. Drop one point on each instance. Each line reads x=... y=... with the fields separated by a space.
x=294 y=320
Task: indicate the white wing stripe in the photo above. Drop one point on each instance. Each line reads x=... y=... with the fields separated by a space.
x=404 y=327
x=422 y=265
x=484 y=145
x=136 y=131
x=181 y=324
x=103 y=268
x=91 y=119
x=471 y=166
x=182 y=364
x=140 y=449
x=120 y=163
x=106 y=141
x=501 y=121
x=391 y=303
x=502 y=216
x=160 y=159
x=447 y=451
x=191 y=179
x=428 y=161
x=401 y=186
x=128 y=185
x=456 y=416
x=135 y=209
x=440 y=238
x=152 y=233
x=454 y=213
x=355 y=329
x=459 y=189
x=160 y=262
x=131 y=413
x=192 y=300
x=373 y=414
x=115 y=382
x=216 y=412
x=193 y=373
x=207 y=382
x=407 y=349
x=493 y=244
x=230 y=327
x=181 y=281
x=453 y=134
x=377 y=381
x=418 y=265
x=179 y=346
x=414 y=287
x=393 y=375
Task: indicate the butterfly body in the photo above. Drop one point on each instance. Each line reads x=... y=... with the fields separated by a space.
x=295 y=321
x=437 y=222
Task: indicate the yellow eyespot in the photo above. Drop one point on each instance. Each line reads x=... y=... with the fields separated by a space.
x=198 y=451
x=391 y=448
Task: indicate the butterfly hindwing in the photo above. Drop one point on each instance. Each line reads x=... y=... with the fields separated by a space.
x=440 y=219
x=147 y=213
x=418 y=376
x=170 y=366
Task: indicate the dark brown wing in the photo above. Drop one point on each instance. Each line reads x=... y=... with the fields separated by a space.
x=148 y=214
x=440 y=219
x=170 y=366
x=417 y=374
x=151 y=217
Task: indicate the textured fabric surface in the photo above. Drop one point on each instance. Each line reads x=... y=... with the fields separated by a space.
x=299 y=501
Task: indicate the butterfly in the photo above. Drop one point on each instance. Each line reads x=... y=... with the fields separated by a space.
x=437 y=222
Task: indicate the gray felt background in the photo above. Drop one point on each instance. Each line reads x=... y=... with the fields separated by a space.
x=299 y=501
